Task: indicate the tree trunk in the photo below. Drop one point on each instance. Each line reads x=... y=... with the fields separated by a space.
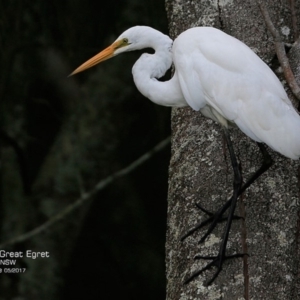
x=200 y=172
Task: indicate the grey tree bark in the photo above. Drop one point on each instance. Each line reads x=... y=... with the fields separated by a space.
x=199 y=172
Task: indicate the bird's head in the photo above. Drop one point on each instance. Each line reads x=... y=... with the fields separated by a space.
x=127 y=41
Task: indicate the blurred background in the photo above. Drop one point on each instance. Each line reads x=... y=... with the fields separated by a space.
x=59 y=136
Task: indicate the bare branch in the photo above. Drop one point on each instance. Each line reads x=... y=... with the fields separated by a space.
x=280 y=51
x=86 y=196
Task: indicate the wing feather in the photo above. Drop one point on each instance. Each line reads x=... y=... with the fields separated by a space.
x=217 y=70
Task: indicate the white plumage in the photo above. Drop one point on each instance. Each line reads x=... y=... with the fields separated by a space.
x=216 y=74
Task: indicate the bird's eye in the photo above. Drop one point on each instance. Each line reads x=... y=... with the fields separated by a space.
x=125 y=41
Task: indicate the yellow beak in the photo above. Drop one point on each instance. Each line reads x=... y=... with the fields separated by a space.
x=98 y=58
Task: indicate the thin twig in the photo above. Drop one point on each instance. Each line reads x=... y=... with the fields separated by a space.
x=294 y=19
x=86 y=196
x=280 y=51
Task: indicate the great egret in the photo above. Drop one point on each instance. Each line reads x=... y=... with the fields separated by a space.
x=224 y=79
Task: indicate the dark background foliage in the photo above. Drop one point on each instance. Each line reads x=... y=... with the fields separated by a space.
x=60 y=135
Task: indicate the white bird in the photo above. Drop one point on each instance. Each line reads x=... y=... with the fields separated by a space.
x=216 y=74
x=222 y=78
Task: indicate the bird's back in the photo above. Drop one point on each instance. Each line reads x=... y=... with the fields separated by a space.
x=217 y=70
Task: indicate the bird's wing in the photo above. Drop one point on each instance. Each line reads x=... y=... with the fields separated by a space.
x=218 y=70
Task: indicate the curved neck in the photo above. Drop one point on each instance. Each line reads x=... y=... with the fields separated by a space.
x=149 y=67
